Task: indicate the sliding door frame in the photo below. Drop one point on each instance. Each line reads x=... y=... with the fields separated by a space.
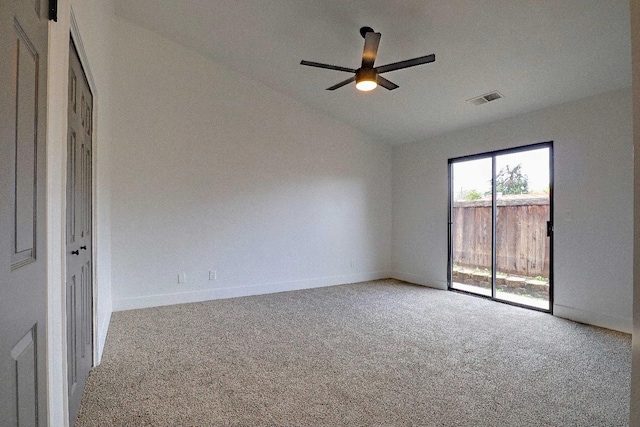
x=550 y=226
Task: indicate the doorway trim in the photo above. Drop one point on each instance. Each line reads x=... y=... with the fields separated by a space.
x=492 y=155
x=59 y=37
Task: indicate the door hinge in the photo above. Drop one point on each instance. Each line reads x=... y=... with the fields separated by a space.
x=549 y=228
x=53 y=10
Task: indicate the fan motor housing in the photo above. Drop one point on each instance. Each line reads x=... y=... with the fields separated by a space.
x=366 y=74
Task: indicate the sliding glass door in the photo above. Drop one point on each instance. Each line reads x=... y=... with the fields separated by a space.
x=500 y=230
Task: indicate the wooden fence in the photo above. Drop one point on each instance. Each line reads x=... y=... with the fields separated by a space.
x=521 y=235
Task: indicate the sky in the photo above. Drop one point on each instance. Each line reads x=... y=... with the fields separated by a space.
x=476 y=174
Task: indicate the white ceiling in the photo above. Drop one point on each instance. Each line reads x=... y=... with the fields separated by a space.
x=535 y=52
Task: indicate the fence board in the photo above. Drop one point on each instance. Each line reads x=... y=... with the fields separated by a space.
x=521 y=239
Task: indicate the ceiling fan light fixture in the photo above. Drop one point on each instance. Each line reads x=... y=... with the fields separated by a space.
x=366 y=79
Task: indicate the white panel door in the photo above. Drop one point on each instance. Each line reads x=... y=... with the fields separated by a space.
x=79 y=288
x=23 y=291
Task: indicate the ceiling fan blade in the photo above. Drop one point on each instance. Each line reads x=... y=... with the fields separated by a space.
x=405 y=64
x=342 y=83
x=386 y=83
x=327 y=66
x=371 y=42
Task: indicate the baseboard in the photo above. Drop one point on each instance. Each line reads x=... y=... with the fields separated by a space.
x=158 y=300
x=418 y=280
x=595 y=319
x=122 y=304
x=102 y=335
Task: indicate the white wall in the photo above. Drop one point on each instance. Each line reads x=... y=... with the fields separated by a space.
x=634 y=417
x=214 y=172
x=93 y=18
x=593 y=217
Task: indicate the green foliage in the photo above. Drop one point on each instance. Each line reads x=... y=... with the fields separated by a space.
x=512 y=180
x=472 y=195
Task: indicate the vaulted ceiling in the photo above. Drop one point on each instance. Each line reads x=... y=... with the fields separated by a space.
x=536 y=53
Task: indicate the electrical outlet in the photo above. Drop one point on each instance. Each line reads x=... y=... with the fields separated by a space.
x=353 y=263
x=182 y=278
x=213 y=274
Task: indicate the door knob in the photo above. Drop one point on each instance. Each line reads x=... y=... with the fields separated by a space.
x=75 y=252
x=84 y=248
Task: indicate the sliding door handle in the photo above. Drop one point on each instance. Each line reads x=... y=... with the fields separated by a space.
x=549 y=228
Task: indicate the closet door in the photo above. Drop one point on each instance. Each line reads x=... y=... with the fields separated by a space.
x=79 y=267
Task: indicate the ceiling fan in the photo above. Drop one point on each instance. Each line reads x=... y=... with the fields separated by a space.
x=367 y=77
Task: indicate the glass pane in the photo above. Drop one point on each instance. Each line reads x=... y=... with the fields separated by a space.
x=472 y=226
x=522 y=245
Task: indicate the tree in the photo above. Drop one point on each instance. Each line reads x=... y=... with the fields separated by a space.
x=512 y=180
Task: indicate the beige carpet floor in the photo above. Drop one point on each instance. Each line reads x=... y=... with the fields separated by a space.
x=377 y=353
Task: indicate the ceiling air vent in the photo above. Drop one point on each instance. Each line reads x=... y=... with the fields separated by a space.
x=487 y=97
